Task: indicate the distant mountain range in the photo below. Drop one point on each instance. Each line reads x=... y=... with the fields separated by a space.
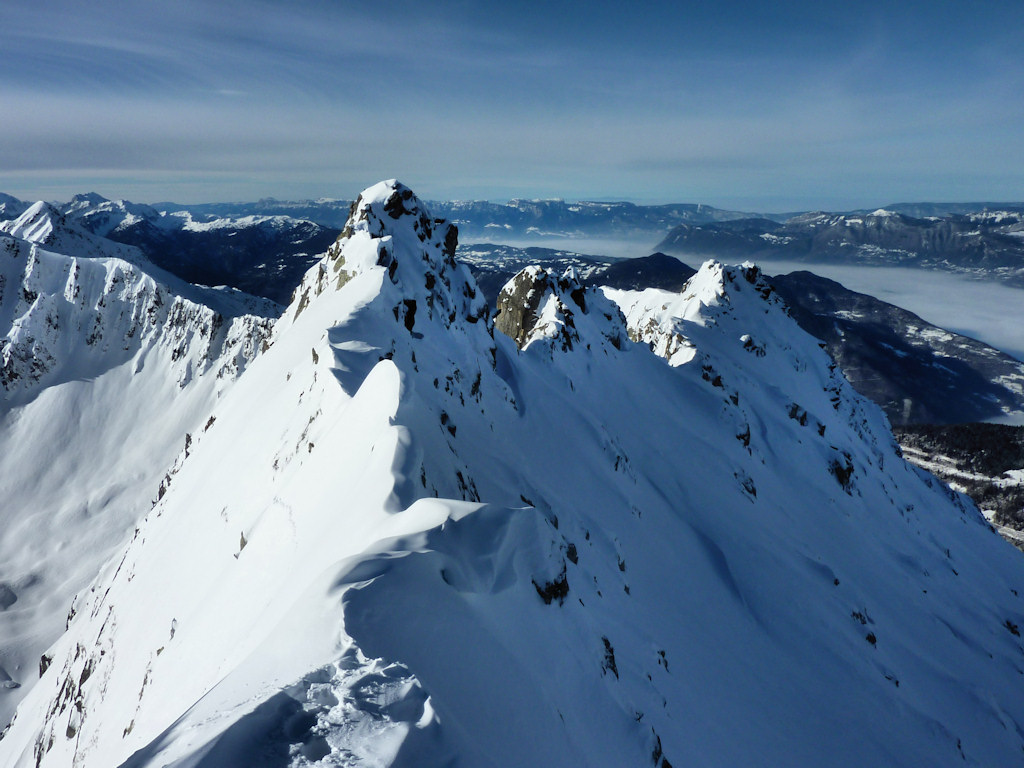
x=986 y=244
x=983 y=239
x=523 y=217
x=262 y=254
x=484 y=219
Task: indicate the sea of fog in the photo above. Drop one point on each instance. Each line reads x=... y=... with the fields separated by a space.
x=981 y=309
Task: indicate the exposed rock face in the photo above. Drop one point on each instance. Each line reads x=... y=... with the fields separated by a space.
x=518 y=303
x=536 y=304
x=494 y=265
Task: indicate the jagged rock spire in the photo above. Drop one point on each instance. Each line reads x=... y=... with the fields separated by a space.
x=537 y=304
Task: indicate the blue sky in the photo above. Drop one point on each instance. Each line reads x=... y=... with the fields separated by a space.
x=761 y=106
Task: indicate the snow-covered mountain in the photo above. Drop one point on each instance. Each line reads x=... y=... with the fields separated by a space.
x=917 y=372
x=106 y=364
x=105 y=217
x=404 y=538
x=260 y=254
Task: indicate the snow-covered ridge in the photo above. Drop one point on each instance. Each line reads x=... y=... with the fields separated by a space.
x=65 y=316
x=43 y=225
x=401 y=527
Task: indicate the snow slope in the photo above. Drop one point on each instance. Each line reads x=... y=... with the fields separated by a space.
x=105 y=366
x=406 y=540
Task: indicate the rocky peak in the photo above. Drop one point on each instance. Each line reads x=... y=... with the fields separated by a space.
x=538 y=304
x=389 y=229
x=390 y=205
x=86 y=200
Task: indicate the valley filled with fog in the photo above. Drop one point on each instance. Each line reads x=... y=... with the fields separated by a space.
x=981 y=309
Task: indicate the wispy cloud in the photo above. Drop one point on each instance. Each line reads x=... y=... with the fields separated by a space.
x=781 y=104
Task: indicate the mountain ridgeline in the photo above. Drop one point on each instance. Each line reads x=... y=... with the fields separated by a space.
x=605 y=527
x=918 y=373
x=988 y=243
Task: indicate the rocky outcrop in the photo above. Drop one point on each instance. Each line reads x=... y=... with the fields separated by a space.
x=537 y=304
x=389 y=227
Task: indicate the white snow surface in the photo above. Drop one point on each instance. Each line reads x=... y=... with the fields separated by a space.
x=404 y=542
x=104 y=369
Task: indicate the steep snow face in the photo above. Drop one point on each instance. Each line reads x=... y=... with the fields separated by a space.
x=104 y=370
x=405 y=541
